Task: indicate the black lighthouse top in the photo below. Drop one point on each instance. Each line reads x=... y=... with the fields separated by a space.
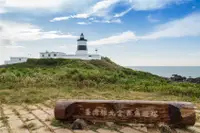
x=82 y=38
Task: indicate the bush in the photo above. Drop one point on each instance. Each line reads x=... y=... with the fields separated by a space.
x=102 y=75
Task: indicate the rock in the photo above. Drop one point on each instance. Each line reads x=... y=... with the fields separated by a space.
x=79 y=124
x=109 y=124
x=165 y=128
x=179 y=78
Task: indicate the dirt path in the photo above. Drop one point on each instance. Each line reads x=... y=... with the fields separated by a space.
x=37 y=119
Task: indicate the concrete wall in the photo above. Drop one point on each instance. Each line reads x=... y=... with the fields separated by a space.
x=15 y=60
x=84 y=57
x=52 y=55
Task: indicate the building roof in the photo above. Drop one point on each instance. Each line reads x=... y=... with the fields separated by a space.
x=18 y=57
x=52 y=52
x=82 y=38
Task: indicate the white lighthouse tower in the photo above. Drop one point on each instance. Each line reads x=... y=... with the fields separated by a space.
x=82 y=46
x=81 y=53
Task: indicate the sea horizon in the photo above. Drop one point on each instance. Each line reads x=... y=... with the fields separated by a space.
x=168 y=71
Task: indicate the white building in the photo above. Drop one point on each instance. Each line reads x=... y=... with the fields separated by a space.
x=15 y=60
x=52 y=54
x=81 y=53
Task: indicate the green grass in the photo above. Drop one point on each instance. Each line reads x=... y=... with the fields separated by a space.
x=42 y=79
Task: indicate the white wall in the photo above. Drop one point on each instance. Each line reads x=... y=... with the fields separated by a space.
x=52 y=55
x=15 y=60
x=84 y=57
x=82 y=42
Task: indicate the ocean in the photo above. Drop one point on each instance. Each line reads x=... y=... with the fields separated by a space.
x=168 y=71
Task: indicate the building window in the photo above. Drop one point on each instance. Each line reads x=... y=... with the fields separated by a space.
x=20 y=59
x=42 y=55
x=54 y=55
x=90 y=55
x=49 y=55
x=82 y=47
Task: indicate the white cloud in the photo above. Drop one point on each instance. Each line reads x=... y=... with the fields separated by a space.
x=147 y=5
x=114 y=21
x=14 y=32
x=187 y=26
x=100 y=9
x=109 y=21
x=47 y=5
x=123 y=13
x=151 y=19
x=83 y=23
x=116 y=39
x=69 y=17
x=34 y=3
x=153 y=4
x=60 y=18
x=104 y=8
x=12 y=46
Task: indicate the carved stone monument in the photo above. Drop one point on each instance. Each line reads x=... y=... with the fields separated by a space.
x=146 y=112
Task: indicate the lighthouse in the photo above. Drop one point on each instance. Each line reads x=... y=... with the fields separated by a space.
x=82 y=46
x=81 y=53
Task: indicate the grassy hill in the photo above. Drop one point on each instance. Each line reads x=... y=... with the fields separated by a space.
x=41 y=79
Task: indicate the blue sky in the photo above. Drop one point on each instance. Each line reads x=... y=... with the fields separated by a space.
x=130 y=32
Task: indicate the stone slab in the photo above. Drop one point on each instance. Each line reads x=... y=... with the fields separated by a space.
x=153 y=130
x=50 y=112
x=13 y=117
x=38 y=112
x=43 y=107
x=84 y=131
x=28 y=117
x=17 y=107
x=4 y=106
x=8 y=111
x=142 y=129
x=42 y=130
x=194 y=129
x=106 y=131
x=1 y=124
x=181 y=131
x=129 y=130
x=15 y=124
x=3 y=130
x=20 y=130
x=37 y=124
x=22 y=112
x=197 y=124
x=197 y=111
x=45 y=117
x=63 y=131
x=32 y=107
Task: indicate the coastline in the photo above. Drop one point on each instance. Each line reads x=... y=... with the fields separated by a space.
x=168 y=71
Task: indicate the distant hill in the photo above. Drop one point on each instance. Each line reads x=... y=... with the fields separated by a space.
x=43 y=79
